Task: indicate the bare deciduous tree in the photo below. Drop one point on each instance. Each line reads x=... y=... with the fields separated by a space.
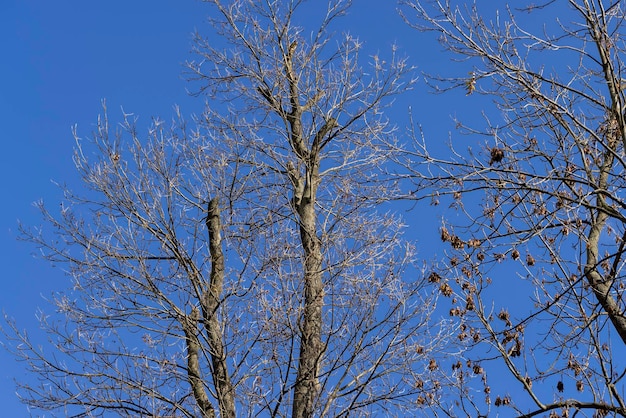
x=241 y=264
x=535 y=273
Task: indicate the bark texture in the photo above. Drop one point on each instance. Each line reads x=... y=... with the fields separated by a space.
x=211 y=303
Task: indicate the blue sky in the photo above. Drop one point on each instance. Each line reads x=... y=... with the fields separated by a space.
x=60 y=59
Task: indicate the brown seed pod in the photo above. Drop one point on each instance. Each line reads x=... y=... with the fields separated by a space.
x=497 y=155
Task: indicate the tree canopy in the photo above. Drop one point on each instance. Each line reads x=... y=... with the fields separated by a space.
x=257 y=259
x=239 y=264
x=540 y=192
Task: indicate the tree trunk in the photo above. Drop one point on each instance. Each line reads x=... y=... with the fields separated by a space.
x=190 y=326
x=311 y=348
x=603 y=284
x=210 y=302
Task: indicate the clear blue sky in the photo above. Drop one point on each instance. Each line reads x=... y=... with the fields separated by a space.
x=60 y=59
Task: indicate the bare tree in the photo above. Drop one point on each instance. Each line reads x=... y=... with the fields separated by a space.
x=535 y=271
x=241 y=264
